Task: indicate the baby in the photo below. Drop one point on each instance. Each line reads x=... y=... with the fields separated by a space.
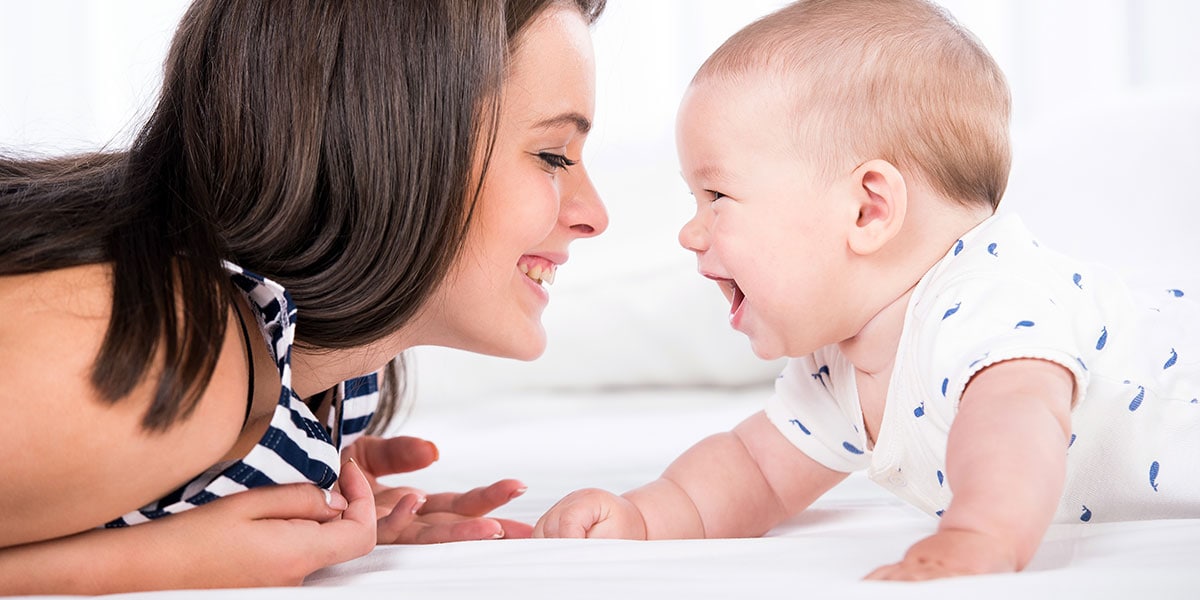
x=847 y=158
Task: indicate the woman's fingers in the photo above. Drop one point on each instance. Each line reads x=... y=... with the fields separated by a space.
x=391 y=527
x=477 y=502
x=387 y=456
x=292 y=501
x=354 y=534
x=424 y=531
x=515 y=530
x=357 y=491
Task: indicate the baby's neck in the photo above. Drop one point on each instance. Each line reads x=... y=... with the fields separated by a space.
x=873 y=350
x=930 y=231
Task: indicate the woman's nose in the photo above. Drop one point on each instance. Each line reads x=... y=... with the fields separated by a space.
x=584 y=212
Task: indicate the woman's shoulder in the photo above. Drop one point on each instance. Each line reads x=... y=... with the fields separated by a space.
x=81 y=459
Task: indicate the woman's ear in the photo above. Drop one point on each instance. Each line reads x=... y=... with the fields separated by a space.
x=881 y=196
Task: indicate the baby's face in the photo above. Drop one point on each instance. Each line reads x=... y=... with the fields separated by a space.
x=765 y=229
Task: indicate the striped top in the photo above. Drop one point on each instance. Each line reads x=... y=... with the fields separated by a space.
x=296 y=447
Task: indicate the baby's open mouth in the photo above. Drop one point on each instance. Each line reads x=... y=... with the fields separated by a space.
x=738 y=297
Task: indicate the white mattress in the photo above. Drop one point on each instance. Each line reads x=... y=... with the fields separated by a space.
x=617 y=439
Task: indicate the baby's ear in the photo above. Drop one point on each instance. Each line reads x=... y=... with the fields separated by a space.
x=879 y=191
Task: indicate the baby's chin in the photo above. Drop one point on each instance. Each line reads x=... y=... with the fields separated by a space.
x=766 y=351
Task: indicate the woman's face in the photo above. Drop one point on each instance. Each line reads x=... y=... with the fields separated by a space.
x=536 y=198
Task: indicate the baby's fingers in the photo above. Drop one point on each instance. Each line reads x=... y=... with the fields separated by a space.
x=567 y=520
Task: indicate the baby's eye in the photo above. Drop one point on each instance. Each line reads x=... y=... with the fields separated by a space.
x=556 y=161
x=716 y=195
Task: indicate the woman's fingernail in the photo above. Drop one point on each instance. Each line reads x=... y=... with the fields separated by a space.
x=418 y=503
x=434 y=449
x=498 y=535
x=335 y=500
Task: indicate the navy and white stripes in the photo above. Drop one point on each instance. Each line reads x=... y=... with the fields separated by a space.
x=296 y=447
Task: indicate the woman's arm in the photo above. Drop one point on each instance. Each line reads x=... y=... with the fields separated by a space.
x=268 y=536
x=734 y=484
x=74 y=462
x=1006 y=463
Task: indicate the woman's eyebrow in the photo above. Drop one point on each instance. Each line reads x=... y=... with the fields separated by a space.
x=570 y=118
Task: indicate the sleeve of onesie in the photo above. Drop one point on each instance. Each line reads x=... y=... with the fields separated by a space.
x=818 y=412
x=980 y=322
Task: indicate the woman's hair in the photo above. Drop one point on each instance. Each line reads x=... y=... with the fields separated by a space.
x=325 y=144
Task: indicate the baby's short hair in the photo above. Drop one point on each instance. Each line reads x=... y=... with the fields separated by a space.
x=898 y=80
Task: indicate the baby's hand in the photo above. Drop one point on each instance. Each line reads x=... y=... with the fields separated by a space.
x=949 y=553
x=592 y=513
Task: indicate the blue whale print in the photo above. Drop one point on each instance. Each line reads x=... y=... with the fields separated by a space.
x=1080 y=361
x=1078 y=279
x=801 y=426
x=941 y=478
x=1171 y=361
x=1176 y=293
x=1087 y=514
x=1137 y=400
x=1103 y=339
x=951 y=310
x=919 y=411
x=821 y=374
x=945 y=382
x=992 y=249
x=1154 y=475
x=958 y=246
x=1072 y=442
x=851 y=448
x=1023 y=324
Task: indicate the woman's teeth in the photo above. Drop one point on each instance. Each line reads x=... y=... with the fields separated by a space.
x=539 y=274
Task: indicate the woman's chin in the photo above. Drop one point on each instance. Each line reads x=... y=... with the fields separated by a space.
x=527 y=346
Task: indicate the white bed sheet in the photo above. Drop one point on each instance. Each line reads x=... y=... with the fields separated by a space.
x=616 y=439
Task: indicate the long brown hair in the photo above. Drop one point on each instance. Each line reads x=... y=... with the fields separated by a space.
x=325 y=144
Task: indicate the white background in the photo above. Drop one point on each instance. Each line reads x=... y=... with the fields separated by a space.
x=1106 y=129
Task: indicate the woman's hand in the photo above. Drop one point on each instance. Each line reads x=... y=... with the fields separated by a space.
x=410 y=516
x=950 y=553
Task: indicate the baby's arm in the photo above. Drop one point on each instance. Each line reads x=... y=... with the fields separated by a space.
x=733 y=484
x=1006 y=463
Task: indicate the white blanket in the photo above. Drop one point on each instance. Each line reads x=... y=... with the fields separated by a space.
x=617 y=439
x=620 y=439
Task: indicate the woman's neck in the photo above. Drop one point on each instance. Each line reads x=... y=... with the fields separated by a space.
x=315 y=370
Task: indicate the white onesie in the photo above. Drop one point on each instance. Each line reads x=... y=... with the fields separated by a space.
x=1134 y=450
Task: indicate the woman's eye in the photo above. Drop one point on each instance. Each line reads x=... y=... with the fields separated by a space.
x=556 y=161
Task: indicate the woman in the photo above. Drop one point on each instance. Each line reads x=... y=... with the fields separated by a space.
x=192 y=321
